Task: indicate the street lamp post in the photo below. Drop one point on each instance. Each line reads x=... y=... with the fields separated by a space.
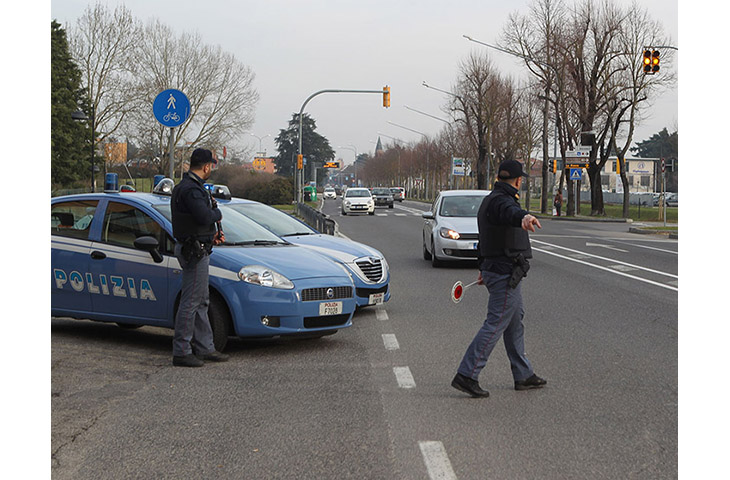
x=427 y=184
x=301 y=112
x=451 y=127
x=260 y=139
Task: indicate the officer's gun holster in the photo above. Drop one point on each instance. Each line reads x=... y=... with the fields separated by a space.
x=519 y=270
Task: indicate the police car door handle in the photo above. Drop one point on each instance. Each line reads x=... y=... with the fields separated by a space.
x=97 y=255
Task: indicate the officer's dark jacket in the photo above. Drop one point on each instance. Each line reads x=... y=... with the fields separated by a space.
x=501 y=237
x=192 y=211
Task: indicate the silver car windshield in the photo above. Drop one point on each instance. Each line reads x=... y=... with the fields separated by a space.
x=466 y=206
x=238 y=229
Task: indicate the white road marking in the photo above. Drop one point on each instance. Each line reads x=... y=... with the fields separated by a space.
x=404 y=377
x=578 y=252
x=390 y=342
x=381 y=315
x=437 y=461
x=610 y=247
x=663 y=285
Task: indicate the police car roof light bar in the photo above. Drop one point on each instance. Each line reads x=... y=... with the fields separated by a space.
x=164 y=187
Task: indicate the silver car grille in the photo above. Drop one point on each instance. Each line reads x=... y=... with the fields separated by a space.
x=371 y=267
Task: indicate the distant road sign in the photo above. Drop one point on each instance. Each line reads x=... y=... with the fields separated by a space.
x=171 y=108
x=332 y=165
x=457 y=167
x=576 y=173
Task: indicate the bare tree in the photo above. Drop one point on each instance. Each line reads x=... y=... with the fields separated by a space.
x=475 y=106
x=101 y=45
x=534 y=38
x=636 y=89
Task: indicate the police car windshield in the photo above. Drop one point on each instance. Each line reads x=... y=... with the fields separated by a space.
x=272 y=219
x=239 y=229
x=466 y=206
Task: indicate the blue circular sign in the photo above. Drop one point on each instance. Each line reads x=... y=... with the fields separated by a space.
x=171 y=108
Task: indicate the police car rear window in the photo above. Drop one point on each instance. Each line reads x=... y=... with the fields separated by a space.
x=73 y=219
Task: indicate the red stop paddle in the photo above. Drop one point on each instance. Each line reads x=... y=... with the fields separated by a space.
x=457 y=291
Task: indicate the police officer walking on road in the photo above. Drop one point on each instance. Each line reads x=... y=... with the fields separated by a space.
x=504 y=247
x=194 y=217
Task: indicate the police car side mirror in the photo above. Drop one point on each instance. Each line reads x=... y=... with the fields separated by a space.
x=427 y=215
x=151 y=245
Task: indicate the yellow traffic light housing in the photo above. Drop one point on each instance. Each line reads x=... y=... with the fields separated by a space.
x=300 y=161
x=618 y=166
x=650 y=62
x=386 y=96
x=647 y=61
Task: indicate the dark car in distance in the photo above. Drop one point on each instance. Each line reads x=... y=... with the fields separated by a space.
x=383 y=196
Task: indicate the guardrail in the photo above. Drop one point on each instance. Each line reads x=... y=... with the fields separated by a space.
x=316 y=219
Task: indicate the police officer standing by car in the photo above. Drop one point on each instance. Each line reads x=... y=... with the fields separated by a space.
x=194 y=217
x=504 y=247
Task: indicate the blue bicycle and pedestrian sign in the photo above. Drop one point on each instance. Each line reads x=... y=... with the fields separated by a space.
x=171 y=108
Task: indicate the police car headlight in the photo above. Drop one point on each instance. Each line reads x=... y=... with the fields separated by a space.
x=266 y=277
x=448 y=233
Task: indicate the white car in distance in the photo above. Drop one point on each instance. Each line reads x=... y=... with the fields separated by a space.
x=358 y=200
x=329 y=192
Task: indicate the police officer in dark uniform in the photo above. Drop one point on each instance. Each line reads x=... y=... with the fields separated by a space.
x=504 y=247
x=194 y=217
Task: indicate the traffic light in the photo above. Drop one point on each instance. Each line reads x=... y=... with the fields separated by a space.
x=553 y=165
x=386 y=96
x=651 y=62
x=655 y=61
x=647 y=61
x=618 y=166
x=300 y=161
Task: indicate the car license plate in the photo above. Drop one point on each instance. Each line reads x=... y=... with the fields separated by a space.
x=376 y=298
x=330 y=308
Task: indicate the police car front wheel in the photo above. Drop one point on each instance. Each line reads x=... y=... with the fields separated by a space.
x=220 y=321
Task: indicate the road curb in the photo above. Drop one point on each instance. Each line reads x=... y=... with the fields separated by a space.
x=643 y=231
x=584 y=219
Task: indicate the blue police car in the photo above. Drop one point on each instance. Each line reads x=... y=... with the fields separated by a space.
x=368 y=266
x=112 y=260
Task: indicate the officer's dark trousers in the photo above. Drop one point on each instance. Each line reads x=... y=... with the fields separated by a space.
x=192 y=327
x=504 y=319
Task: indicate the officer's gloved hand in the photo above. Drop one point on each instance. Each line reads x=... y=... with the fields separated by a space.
x=213 y=203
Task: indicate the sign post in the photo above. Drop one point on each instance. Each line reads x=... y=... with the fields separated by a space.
x=171 y=109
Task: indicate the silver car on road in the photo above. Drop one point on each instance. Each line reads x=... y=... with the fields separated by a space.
x=450 y=231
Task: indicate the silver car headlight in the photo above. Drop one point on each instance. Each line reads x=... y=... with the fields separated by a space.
x=449 y=233
x=265 y=277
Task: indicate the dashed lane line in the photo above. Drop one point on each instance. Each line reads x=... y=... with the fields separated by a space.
x=390 y=342
x=404 y=377
x=436 y=460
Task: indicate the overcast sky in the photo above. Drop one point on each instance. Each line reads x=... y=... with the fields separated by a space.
x=299 y=47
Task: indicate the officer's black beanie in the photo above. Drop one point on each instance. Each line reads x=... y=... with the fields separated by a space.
x=200 y=157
